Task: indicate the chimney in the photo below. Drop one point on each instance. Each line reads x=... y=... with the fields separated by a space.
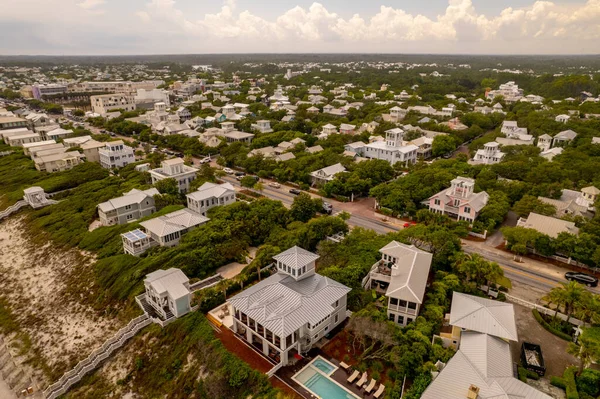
x=473 y=392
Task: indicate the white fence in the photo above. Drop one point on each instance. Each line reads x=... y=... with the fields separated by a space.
x=91 y=362
x=543 y=310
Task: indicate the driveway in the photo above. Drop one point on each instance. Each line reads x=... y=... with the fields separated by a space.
x=554 y=349
x=497 y=238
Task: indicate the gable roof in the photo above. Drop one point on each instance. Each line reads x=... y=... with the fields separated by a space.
x=134 y=196
x=409 y=273
x=331 y=170
x=483 y=315
x=210 y=190
x=174 y=222
x=171 y=281
x=548 y=225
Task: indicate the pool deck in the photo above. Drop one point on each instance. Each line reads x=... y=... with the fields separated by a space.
x=340 y=376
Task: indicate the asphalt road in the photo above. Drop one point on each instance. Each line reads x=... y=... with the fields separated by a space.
x=512 y=270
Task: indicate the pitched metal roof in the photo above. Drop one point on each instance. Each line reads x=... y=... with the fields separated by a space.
x=174 y=222
x=171 y=281
x=296 y=257
x=134 y=196
x=283 y=305
x=211 y=190
x=409 y=273
x=483 y=315
x=548 y=225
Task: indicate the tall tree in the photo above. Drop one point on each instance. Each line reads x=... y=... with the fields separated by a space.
x=588 y=349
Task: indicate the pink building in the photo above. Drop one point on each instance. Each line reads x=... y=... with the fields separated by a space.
x=459 y=201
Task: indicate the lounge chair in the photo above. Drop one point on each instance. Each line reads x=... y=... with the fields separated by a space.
x=362 y=380
x=345 y=366
x=379 y=391
x=353 y=376
x=371 y=385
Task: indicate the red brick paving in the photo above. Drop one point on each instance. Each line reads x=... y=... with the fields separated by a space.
x=241 y=350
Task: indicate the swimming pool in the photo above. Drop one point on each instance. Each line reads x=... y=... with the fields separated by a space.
x=323 y=365
x=314 y=377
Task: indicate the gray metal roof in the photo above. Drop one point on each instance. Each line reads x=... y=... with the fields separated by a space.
x=174 y=222
x=171 y=281
x=409 y=273
x=211 y=190
x=548 y=225
x=283 y=305
x=296 y=257
x=485 y=362
x=483 y=315
x=134 y=196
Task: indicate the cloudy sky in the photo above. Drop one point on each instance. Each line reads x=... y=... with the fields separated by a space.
x=72 y=27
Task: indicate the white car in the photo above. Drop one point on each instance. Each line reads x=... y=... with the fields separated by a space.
x=274 y=184
x=205 y=160
x=228 y=171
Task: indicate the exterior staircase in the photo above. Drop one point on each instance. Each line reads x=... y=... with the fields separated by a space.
x=12 y=209
x=88 y=364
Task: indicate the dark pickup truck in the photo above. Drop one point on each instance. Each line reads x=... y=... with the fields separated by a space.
x=532 y=359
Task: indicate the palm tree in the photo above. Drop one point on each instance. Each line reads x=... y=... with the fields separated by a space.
x=589 y=308
x=569 y=295
x=588 y=349
x=555 y=296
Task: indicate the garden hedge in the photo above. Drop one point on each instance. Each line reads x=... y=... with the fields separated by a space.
x=549 y=328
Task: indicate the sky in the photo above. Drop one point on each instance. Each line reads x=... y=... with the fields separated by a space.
x=123 y=27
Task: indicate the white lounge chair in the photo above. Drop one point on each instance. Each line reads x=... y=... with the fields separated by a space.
x=345 y=366
x=371 y=385
x=353 y=376
x=362 y=380
x=379 y=391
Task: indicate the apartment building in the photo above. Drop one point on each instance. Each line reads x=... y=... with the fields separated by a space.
x=106 y=103
x=116 y=154
x=401 y=275
x=58 y=162
x=41 y=90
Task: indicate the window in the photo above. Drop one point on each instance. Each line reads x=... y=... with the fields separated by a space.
x=336 y=318
x=392 y=317
x=336 y=304
x=129 y=217
x=456 y=202
x=412 y=305
x=402 y=303
x=127 y=207
x=400 y=320
x=436 y=201
x=394 y=301
x=467 y=209
x=409 y=320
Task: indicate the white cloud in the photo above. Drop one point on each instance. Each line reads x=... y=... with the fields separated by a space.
x=542 y=27
x=89 y=4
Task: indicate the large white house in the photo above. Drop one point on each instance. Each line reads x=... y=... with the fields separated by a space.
x=459 y=201
x=490 y=154
x=327 y=174
x=290 y=311
x=393 y=149
x=175 y=169
x=116 y=154
x=482 y=368
x=210 y=195
x=401 y=275
x=131 y=206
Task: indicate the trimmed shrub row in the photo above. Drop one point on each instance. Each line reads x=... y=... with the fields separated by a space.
x=549 y=328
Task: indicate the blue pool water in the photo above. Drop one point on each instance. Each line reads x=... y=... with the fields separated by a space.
x=322 y=365
x=322 y=385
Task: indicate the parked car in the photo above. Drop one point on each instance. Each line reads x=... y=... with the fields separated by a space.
x=240 y=174
x=582 y=278
x=327 y=208
x=408 y=224
x=228 y=171
x=295 y=191
x=204 y=160
x=274 y=184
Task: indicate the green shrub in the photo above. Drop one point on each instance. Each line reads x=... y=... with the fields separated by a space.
x=549 y=328
x=522 y=374
x=569 y=378
x=589 y=382
x=532 y=375
x=558 y=382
